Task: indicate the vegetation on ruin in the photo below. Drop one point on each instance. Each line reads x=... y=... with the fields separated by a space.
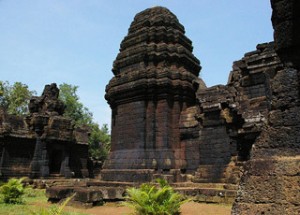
x=151 y=199
x=74 y=108
x=99 y=140
x=15 y=98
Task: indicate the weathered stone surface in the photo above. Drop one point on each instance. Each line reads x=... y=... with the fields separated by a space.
x=212 y=133
x=270 y=184
x=155 y=73
x=58 y=193
x=48 y=102
x=88 y=195
x=231 y=117
x=274 y=190
x=286 y=24
x=13 y=125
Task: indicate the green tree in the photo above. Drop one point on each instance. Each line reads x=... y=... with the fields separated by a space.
x=99 y=140
x=14 y=99
x=74 y=108
x=4 y=88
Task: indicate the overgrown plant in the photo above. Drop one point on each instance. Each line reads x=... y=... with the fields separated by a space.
x=150 y=199
x=12 y=191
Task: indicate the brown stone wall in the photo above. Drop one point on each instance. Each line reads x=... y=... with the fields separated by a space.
x=16 y=156
x=286 y=24
x=274 y=165
x=189 y=138
x=270 y=184
x=153 y=83
x=128 y=126
x=146 y=132
x=217 y=144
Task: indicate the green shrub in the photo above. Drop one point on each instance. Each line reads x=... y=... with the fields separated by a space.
x=12 y=191
x=150 y=199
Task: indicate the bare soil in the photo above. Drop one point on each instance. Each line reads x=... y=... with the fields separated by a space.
x=190 y=208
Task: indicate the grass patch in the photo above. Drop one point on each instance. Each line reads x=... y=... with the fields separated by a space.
x=35 y=203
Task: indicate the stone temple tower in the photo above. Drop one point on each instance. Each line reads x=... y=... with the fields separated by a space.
x=155 y=75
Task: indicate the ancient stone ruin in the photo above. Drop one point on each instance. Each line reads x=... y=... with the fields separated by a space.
x=155 y=73
x=166 y=123
x=43 y=144
x=271 y=181
x=236 y=141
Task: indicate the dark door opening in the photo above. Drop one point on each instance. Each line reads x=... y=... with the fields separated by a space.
x=55 y=161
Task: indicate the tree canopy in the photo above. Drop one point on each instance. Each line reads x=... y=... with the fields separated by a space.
x=15 y=98
x=99 y=140
x=74 y=108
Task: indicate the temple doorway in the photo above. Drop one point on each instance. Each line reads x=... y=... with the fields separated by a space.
x=56 y=159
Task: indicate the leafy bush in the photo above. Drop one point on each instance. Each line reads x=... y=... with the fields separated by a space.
x=150 y=199
x=12 y=191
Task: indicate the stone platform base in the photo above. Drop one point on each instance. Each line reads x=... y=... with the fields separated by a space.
x=96 y=191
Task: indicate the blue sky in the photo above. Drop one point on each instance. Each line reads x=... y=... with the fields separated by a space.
x=76 y=41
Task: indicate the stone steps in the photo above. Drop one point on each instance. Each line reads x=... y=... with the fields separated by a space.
x=7 y=173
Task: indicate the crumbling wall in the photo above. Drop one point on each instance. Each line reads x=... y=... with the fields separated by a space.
x=226 y=121
x=270 y=183
x=44 y=142
x=217 y=147
x=14 y=137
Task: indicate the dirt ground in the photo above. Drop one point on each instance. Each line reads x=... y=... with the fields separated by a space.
x=190 y=208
